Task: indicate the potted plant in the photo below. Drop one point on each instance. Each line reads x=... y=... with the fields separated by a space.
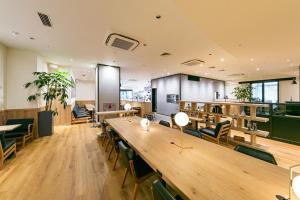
x=243 y=92
x=49 y=87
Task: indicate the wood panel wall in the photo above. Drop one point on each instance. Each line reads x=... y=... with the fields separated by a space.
x=2 y=121
x=81 y=103
x=64 y=116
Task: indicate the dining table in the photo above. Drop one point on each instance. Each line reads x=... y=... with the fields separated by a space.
x=205 y=170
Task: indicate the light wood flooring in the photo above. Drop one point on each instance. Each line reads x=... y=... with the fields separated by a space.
x=72 y=165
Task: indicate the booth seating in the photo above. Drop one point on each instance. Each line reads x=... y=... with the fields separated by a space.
x=193 y=132
x=7 y=148
x=164 y=123
x=256 y=153
x=80 y=115
x=222 y=129
x=139 y=169
x=23 y=132
x=160 y=192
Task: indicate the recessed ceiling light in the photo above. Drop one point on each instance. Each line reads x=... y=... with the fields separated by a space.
x=53 y=66
x=158 y=16
x=258 y=69
x=291 y=64
x=71 y=59
x=15 y=33
x=205 y=74
x=222 y=59
x=201 y=64
x=251 y=59
x=288 y=60
x=168 y=73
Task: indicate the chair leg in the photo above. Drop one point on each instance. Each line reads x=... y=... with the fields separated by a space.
x=1 y=163
x=107 y=145
x=111 y=150
x=124 y=179
x=135 y=191
x=116 y=160
x=23 y=142
x=104 y=139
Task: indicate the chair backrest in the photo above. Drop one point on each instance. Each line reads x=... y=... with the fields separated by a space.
x=126 y=153
x=24 y=123
x=160 y=192
x=164 y=123
x=2 y=140
x=262 y=155
x=222 y=127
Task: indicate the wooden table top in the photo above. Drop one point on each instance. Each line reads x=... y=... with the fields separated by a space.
x=9 y=127
x=208 y=170
x=89 y=107
x=114 y=112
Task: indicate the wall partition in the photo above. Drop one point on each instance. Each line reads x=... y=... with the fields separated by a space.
x=171 y=89
x=108 y=88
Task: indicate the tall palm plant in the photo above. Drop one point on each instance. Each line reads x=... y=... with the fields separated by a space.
x=51 y=86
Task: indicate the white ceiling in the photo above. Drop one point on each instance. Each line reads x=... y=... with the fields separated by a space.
x=265 y=30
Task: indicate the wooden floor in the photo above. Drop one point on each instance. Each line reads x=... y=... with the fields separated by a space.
x=72 y=165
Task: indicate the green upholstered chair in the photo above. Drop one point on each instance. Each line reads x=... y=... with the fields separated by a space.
x=256 y=153
x=139 y=169
x=23 y=132
x=222 y=129
x=164 y=123
x=160 y=192
x=7 y=147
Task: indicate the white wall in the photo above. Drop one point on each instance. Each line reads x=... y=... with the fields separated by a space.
x=20 y=66
x=288 y=90
x=85 y=90
x=3 y=52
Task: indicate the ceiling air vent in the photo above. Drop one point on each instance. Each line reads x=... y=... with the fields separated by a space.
x=165 y=54
x=193 y=62
x=122 y=42
x=45 y=19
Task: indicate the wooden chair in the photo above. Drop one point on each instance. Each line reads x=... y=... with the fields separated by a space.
x=256 y=153
x=7 y=147
x=139 y=169
x=214 y=135
x=160 y=192
x=24 y=132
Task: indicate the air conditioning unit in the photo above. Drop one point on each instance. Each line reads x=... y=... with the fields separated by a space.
x=122 y=42
x=193 y=62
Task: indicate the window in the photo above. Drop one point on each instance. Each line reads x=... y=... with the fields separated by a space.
x=265 y=91
x=126 y=95
x=271 y=92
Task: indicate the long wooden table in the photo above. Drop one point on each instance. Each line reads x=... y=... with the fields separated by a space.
x=115 y=112
x=9 y=127
x=207 y=171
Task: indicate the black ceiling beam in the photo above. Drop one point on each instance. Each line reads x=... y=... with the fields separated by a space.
x=269 y=80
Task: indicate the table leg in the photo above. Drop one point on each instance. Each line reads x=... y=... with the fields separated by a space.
x=253 y=139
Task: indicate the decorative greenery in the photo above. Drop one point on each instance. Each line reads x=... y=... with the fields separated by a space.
x=51 y=86
x=243 y=92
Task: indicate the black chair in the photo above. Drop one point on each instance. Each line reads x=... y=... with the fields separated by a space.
x=164 y=123
x=256 y=153
x=192 y=132
x=79 y=112
x=139 y=169
x=23 y=132
x=160 y=192
x=7 y=147
x=222 y=129
x=113 y=140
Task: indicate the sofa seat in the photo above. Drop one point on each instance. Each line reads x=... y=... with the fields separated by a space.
x=8 y=144
x=208 y=131
x=15 y=134
x=193 y=132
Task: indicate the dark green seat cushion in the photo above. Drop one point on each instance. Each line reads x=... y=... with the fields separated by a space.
x=256 y=153
x=164 y=123
x=160 y=192
x=193 y=132
x=24 y=124
x=8 y=144
x=208 y=131
x=219 y=125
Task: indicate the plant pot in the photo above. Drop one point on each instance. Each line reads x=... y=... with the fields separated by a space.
x=45 y=123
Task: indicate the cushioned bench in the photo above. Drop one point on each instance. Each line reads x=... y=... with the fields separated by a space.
x=24 y=132
x=193 y=132
x=222 y=129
